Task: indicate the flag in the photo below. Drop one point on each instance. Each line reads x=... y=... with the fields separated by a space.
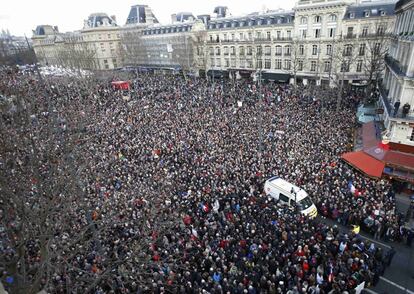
x=204 y=207
x=384 y=146
x=331 y=275
x=351 y=187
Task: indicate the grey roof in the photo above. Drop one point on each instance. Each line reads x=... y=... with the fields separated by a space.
x=254 y=19
x=138 y=14
x=169 y=29
x=97 y=19
x=373 y=8
x=184 y=16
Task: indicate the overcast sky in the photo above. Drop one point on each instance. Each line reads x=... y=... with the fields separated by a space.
x=22 y=16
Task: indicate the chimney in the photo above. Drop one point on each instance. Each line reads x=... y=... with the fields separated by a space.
x=113 y=18
x=173 y=18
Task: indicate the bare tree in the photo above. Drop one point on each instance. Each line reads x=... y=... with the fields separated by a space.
x=343 y=55
x=183 y=52
x=134 y=48
x=297 y=59
x=376 y=45
x=73 y=52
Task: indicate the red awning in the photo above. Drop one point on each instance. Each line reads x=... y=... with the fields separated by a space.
x=120 y=85
x=365 y=163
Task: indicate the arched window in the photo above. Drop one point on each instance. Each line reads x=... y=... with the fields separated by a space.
x=332 y=17
x=317 y=19
x=303 y=20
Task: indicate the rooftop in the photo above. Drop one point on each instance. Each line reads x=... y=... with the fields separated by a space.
x=370 y=9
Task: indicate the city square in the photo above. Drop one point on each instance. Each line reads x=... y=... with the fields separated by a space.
x=271 y=152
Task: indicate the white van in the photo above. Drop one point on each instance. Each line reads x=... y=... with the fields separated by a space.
x=285 y=192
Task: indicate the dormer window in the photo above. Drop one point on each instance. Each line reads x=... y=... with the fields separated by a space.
x=352 y=15
x=366 y=13
x=269 y=21
x=259 y=22
x=318 y=19
x=382 y=12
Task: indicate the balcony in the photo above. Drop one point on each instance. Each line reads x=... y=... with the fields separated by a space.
x=375 y=35
x=390 y=108
x=395 y=65
x=384 y=95
x=350 y=36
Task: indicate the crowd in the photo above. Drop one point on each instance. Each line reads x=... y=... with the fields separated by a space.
x=173 y=184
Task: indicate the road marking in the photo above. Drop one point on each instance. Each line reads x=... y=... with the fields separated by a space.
x=375 y=241
x=370 y=291
x=396 y=285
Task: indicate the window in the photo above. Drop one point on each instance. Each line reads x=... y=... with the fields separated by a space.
x=287 y=50
x=366 y=13
x=303 y=20
x=217 y=50
x=317 y=33
x=241 y=50
x=226 y=50
x=109 y=36
x=359 y=66
x=301 y=49
x=211 y=51
x=364 y=31
x=250 y=36
x=361 y=50
x=331 y=32
x=249 y=63
x=348 y=50
x=278 y=51
x=258 y=35
x=327 y=66
x=352 y=15
x=381 y=30
x=268 y=36
x=267 y=63
x=300 y=65
x=328 y=49
x=382 y=12
x=242 y=62
x=314 y=49
x=267 y=50
x=289 y=34
x=350 y=31
x=313 y=65
x=241 y=36
x=249 y=50
x=226 y=62
x=344 y=67
x=283 y=198
x=212 y=62
x=412 y=135
x=218 y=62
x=233 y=62
x=303 y=34
x=377 y=48
x=278 y=35
x=317 y=19
x=287 y=64
x=259 y=51
x=278 y=63
x=211 y=38
x=259 y=63
x=232 y=36
x=332 y=17
x=233 y=50
x=225 y=37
